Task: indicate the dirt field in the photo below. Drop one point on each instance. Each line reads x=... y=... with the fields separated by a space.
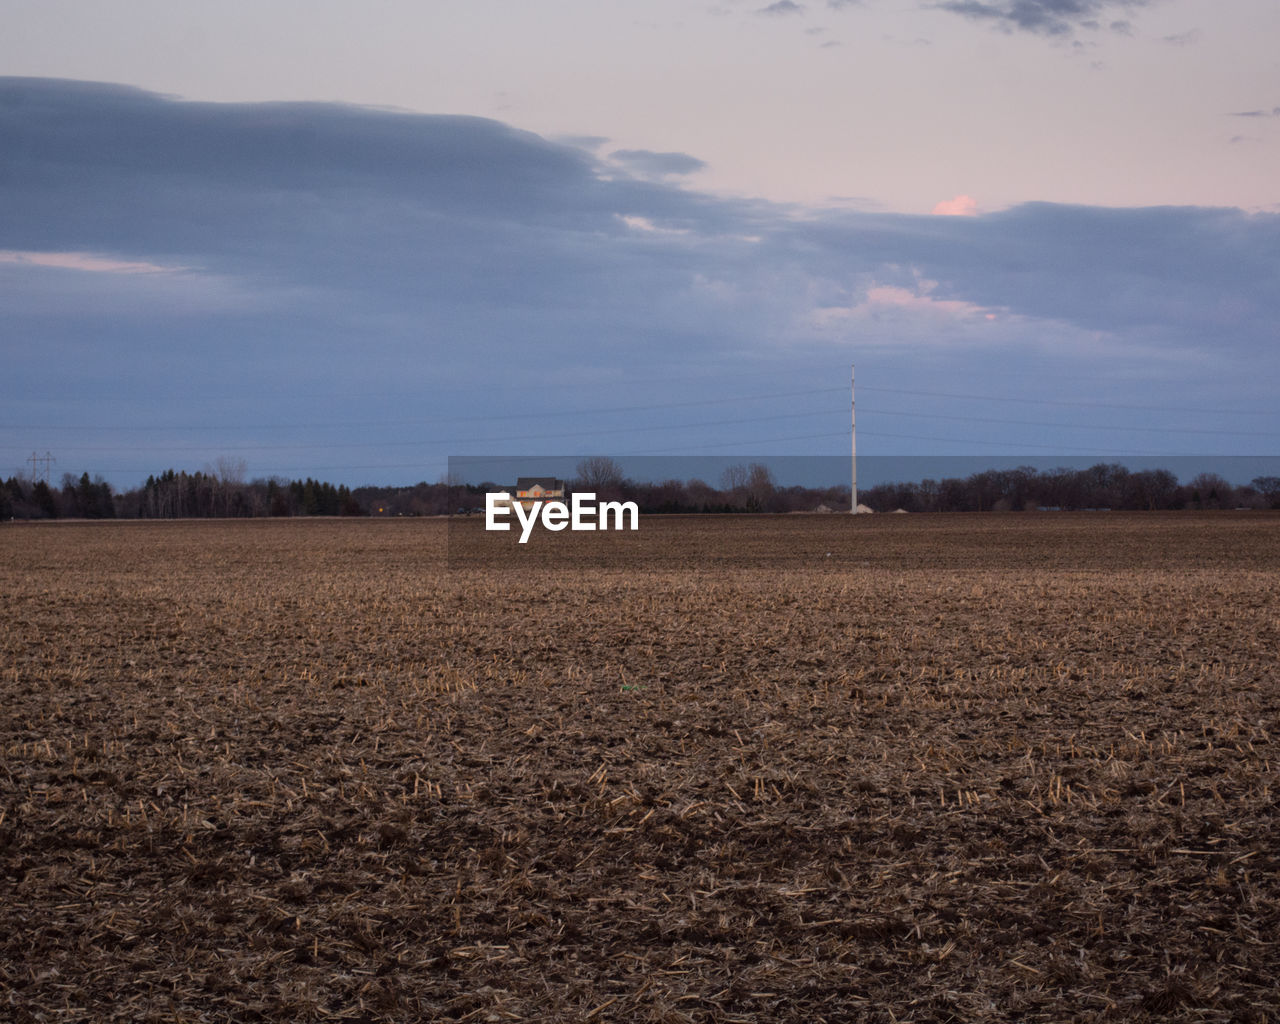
x=969 y=768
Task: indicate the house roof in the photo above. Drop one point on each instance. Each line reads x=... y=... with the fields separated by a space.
x=547 y=483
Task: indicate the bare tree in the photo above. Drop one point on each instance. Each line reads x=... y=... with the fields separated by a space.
x=1151 y=489
x=1269 y=488
x=734 y=478
x=701 y=493
x=750 y=486
x=599 y=474
x=230 y=469
x=229 y=472
x=1209 y=490
x=760 y=487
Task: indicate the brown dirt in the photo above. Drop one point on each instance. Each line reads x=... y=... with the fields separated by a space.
x=966 y=768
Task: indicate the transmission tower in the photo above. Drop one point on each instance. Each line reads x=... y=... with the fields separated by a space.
x=47 y=459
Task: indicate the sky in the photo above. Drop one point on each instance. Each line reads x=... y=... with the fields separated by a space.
x=350 y=241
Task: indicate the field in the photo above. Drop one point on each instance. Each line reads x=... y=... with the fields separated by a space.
x=969 y=768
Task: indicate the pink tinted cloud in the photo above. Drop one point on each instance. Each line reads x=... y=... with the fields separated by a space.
x=892 y=300
x=960 y=206
x=82 y=261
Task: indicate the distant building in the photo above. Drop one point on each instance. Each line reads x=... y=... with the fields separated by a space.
x=530 y=489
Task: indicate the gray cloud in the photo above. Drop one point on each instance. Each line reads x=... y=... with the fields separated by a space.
x=199 y=262
x=781 y=7
x=647 y=163
x=1273 y=112
x=1042 y=17
x=588 y=142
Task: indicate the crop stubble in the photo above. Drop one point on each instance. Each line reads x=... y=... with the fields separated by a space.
x=788 y=768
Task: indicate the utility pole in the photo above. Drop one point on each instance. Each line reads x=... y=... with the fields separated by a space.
x=853 y=446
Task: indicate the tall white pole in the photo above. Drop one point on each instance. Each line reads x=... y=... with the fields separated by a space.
x=853 y=445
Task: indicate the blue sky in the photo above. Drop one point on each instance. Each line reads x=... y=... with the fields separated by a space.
x=348 y=246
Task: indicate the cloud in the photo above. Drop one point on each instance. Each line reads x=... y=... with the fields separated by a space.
x=960 y=206
x=879 y=302
x=1273 y=112
x=84 y=261
x=649 y=164
x=644 y=224
x=587 y=142
x=781 y=8
x=1042 y=17
x=464 y=272
x=1144 y=268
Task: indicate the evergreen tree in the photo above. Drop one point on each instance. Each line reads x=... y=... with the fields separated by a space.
x=87 y=498
x=106 y=503
x=349 y=505
x=310 y=501
x=42 y=495
x=277 y=499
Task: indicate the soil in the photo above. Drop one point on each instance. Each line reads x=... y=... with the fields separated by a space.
x=907 y=768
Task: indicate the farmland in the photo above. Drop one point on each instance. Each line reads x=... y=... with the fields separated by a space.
x=789 y=768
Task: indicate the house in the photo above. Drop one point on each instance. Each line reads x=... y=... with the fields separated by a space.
x=530 y=489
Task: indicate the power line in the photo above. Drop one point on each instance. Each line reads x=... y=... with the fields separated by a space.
x=327 y=446
x=1072 y=426
x=1072 y=405
x=1052 y=451
x=635 y=429
x=1000 y=444
x=479 y=417
x=658 y=406
x=869 y=433
x=588 y=434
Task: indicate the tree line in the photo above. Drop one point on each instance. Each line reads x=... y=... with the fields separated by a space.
x=1102 y=486
x=175 y=494
x=222 y=492
x=751 y=488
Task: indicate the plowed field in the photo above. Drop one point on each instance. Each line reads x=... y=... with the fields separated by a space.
x=954 y=768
